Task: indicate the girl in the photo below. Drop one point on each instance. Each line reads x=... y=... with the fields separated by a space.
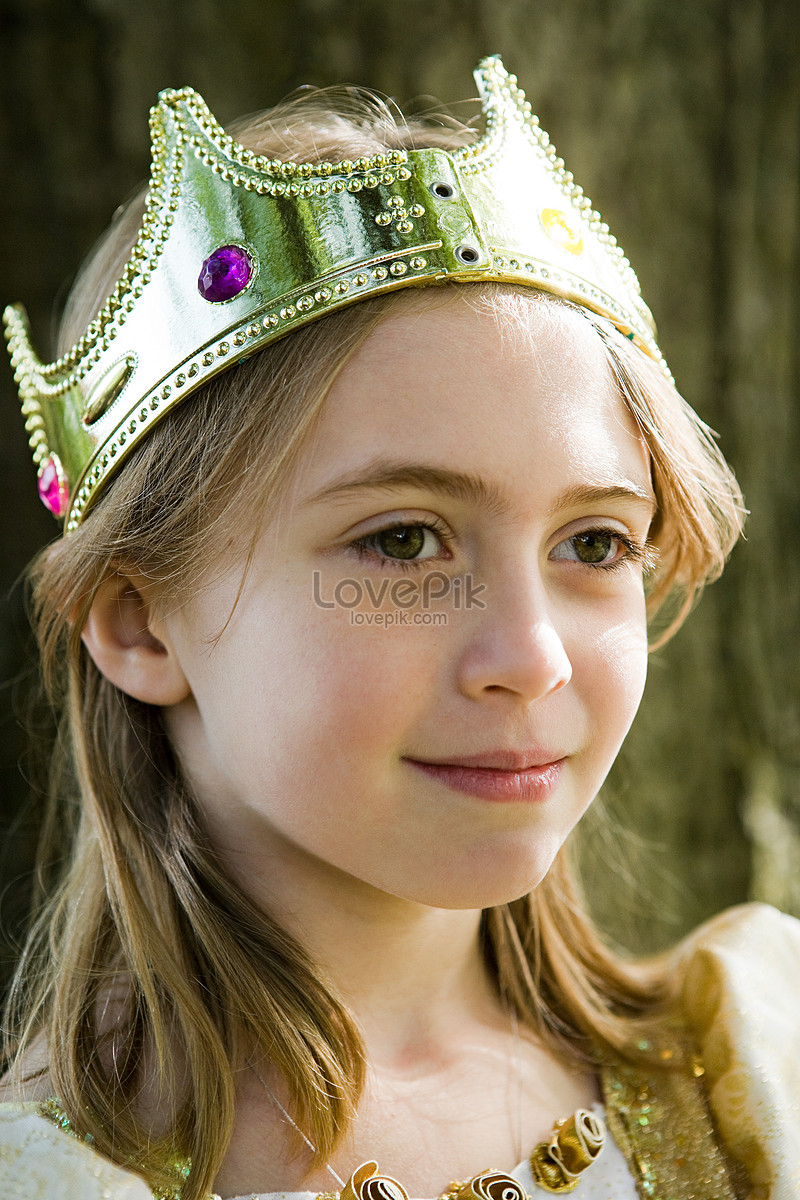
x=345 y=642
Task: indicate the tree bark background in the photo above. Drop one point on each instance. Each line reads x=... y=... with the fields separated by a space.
x=682 y=122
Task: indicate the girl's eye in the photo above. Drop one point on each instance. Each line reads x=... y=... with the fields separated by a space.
x=405 y=544
x=605 y=548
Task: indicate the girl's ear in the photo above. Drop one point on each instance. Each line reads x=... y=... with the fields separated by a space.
x=129 y=645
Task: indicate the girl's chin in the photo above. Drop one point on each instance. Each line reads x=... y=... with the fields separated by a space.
x=469 y=892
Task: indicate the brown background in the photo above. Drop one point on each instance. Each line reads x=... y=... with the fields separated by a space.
x=682 y=122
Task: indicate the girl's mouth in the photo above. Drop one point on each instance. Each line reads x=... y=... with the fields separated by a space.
x=528 y=785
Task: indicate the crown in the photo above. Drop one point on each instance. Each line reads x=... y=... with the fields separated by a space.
x=236 y=250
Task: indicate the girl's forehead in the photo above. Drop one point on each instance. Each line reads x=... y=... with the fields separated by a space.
x=503 y=387
x=516 y=318
x=443 y=349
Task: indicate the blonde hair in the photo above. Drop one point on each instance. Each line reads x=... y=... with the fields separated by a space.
x=146 y=943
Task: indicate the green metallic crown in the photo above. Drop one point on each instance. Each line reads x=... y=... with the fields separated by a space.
x=236 y=250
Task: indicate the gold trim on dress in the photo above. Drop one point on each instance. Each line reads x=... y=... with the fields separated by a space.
x=662 y=1123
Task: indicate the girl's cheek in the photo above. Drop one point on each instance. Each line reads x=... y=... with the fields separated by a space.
x=621 y=652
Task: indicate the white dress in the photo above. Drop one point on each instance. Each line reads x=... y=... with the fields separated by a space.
x=739 y=979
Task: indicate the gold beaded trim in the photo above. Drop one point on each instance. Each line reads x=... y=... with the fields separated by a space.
x=161 y=204
x=662 y=1122
x=51 y=1110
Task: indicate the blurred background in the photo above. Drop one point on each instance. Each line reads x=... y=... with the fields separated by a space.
x=682 y=123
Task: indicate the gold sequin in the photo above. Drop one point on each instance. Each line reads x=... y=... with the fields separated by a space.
x=660 y=1119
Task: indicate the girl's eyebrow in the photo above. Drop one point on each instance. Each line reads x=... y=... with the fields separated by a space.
x=393 y=475
x=580 y=496
x=390 y=475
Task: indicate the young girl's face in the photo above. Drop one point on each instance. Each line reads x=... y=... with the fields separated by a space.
x=503 y=613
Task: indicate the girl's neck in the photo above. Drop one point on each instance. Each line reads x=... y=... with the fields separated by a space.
x=414 y=984
x=409 y=974
x=451 y=1087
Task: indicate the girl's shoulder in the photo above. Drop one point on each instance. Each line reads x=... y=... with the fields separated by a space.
x=748 y=955
x=738 y=977
x=746 y=923
x=39 y=1161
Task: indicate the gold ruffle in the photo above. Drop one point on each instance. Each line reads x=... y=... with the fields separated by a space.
x=367 y=1183
x=557 y=1165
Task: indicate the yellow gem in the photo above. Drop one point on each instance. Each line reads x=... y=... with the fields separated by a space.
x=562 y=230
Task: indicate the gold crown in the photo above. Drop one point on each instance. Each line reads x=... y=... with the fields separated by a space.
x=236 y=250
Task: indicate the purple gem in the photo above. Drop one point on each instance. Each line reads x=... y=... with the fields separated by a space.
x=224 y=274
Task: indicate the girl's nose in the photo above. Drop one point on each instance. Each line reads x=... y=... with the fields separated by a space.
x=516 y=647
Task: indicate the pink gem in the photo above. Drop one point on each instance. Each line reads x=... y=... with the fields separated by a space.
x=53 y=487
x=224 y=274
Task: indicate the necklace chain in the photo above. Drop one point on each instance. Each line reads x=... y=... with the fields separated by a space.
x=293 y=1123
x=516 y=1059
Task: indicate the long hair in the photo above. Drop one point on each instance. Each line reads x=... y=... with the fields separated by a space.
x=146 y=955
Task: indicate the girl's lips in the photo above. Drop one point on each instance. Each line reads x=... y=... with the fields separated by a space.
x=488 y=783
